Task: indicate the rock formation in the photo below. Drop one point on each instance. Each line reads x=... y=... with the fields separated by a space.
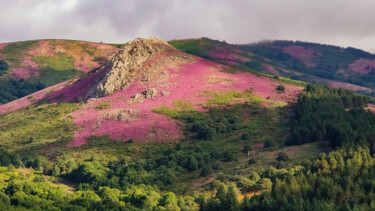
x=123 y=68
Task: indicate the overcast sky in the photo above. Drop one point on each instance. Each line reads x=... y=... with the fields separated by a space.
x=339 y=22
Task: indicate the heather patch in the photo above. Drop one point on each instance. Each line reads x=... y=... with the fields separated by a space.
x=25 y=73
x=186 y=90
x=14 y=52
x=364 y=66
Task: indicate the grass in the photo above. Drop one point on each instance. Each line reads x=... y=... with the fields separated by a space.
x=197 y=47
x=49 y=77
x=103 y=105
x=60 y=61
x=229 y=97
x=44 y=124
x=14 y=51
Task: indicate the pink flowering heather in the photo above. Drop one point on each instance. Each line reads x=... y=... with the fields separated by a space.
x=302 y=53
x=187 y=82
x=363 y=66
x=2 y=45
x=43 y=49
x=76 y=90
x=348 y=86
x=29 y=63
x=25 y=73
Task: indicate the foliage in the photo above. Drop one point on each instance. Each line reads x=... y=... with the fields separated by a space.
x=40 y=124
x=60 y=61
x=3 y=67
x=230 y=97
x=280 y=88
x=321 y=115
x=103 y=105
x=11 y=89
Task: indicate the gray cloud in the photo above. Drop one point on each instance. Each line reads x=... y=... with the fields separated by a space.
x=339 y=22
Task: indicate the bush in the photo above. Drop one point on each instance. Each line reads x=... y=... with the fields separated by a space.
x=245 y=136
x=280 y=88
x=282 y=156
x=247 y=148
x=269 y=144
x=228 y=157
x=252 y=161
x=206 y=171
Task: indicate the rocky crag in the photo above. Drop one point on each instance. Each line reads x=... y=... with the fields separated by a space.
x=131 y=62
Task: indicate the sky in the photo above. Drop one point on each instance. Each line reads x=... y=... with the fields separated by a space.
x=338 y=22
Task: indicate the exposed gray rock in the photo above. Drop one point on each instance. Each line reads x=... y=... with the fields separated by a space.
x=150 y=93
x=138 y=97
x=123 y=67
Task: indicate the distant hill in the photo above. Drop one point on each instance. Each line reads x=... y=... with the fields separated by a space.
x=29 y=66
x=328 y=65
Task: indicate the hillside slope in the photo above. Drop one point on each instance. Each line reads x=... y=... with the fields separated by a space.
x=328 y=65
x=155 y=128
x=150 y=74
x=29 y=66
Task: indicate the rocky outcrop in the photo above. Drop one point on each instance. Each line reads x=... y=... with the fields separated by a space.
x=150 y=93
x=124 y=67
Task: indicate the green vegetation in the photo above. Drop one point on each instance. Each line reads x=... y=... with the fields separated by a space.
x=198 y=47
x=280 y=88
x=60 y=61
x=229 y=97
x=322 y=115
x=49 y=77
x=14 y=51
x=11 y=89
x=103 y=105
x=327 y=61
x=35 y=127
x=113 y=175
x=3 y=67
x=233 y=157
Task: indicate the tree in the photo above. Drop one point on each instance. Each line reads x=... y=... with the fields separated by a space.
x=169 y=202
x=282 y=156
x=265 y=184
x=247 y=148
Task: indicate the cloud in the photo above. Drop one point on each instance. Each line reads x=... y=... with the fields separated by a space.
x=339 y=22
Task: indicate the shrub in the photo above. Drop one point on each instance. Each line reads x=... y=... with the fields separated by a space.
x=247 y=148
x=228 y=157
x=280 y=88
x=269 y=144
x=282 y=156
x=245 y=136
x=206 y=171
x=252 y=161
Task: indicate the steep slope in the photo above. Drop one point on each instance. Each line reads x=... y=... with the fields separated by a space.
x=328 y=65
x=26 y=67
x=146 y=75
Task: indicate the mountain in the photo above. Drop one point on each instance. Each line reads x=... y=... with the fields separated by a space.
x=328 y=65
x=29 y=66
x=157 y=128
